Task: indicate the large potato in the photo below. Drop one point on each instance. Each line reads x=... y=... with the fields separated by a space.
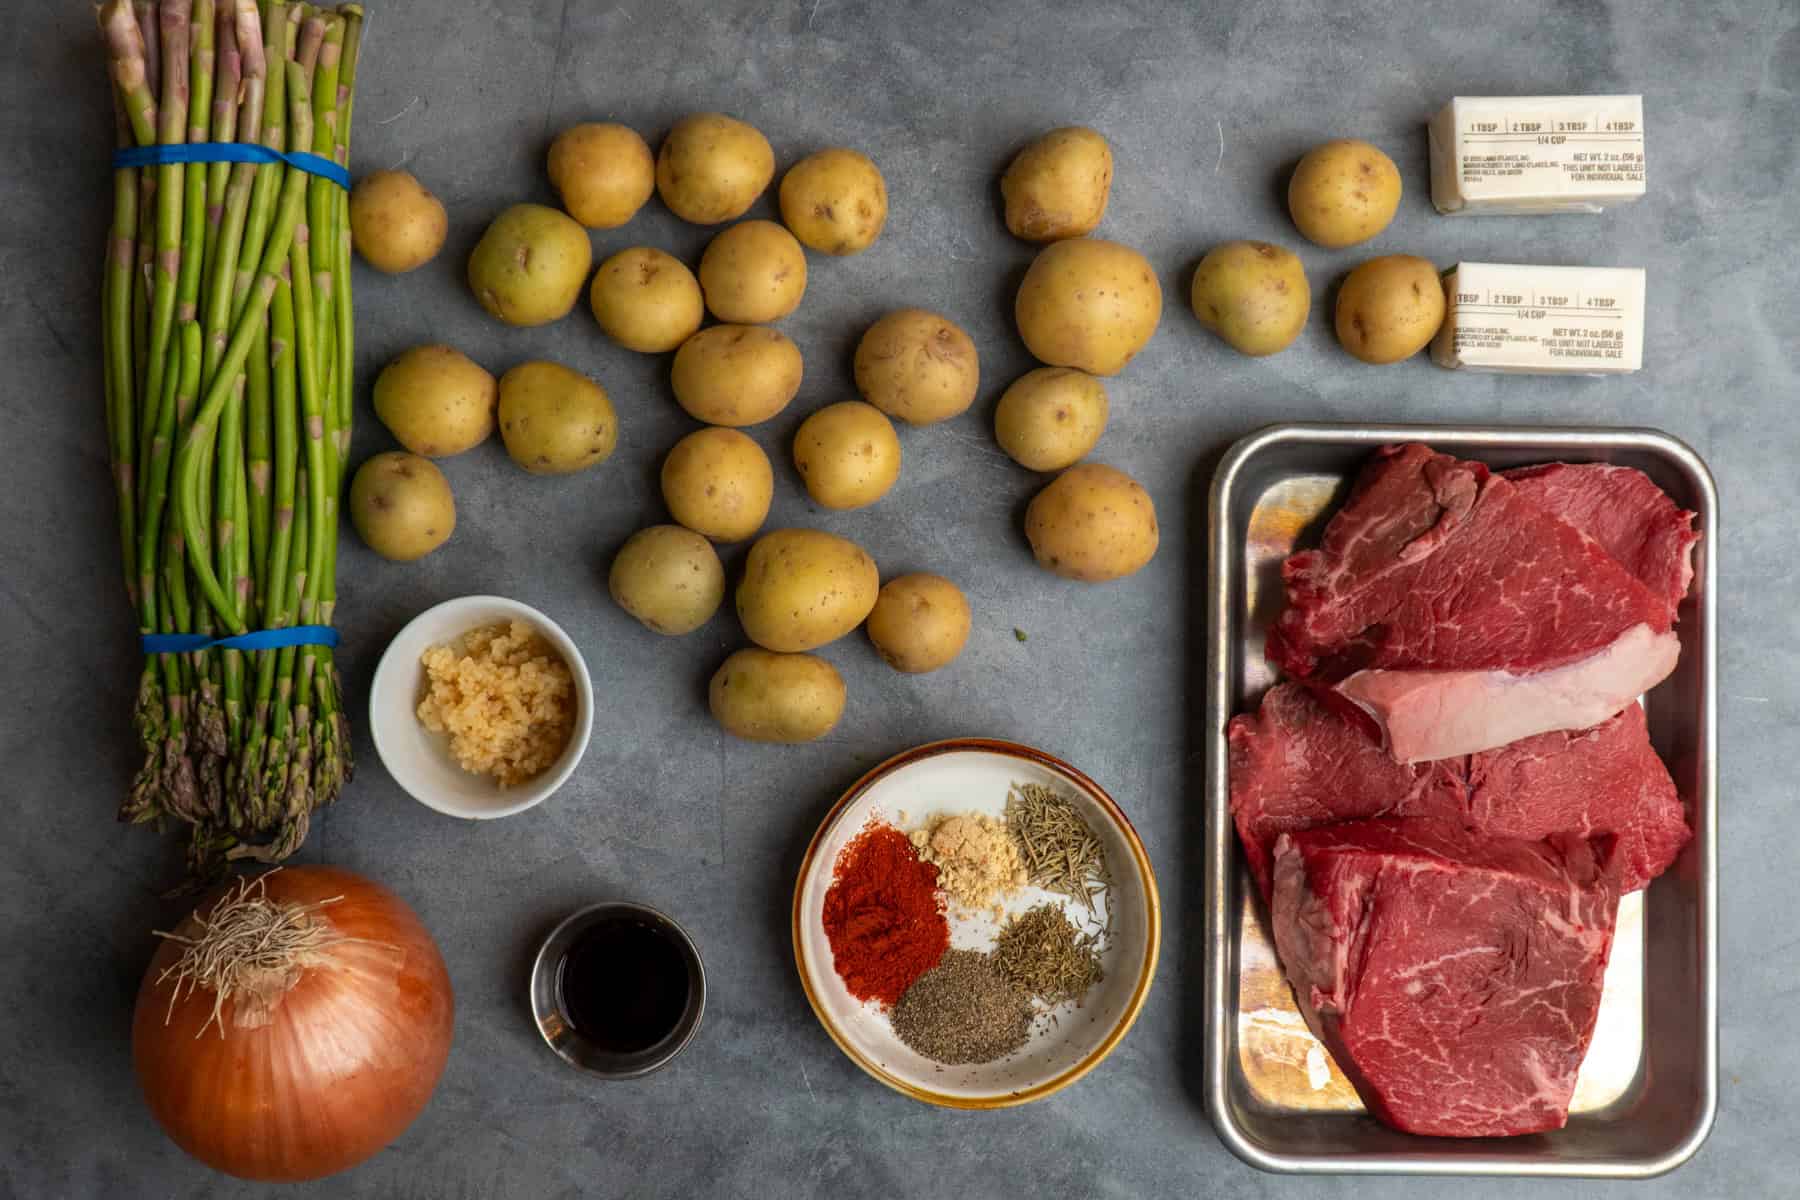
x=395 y=224
x=736 y=374
x=847 y=454
x=1092 y=523
x=1088 y=303
x=1057 y=187
x=753 y=273
x=669 y=578
x=554 y=420
x=719 y=483
x=435 y=401
x=920 y=622
x=1343 y=192
x=835 y=201
x=1051 y=417
x=401 y=506
x=529 y=266
x=1252 y=294
x=766 y=697
x=603 y=173
x=712 y=167
x=917 y=366
x=1389 y=308
x=646 y=300
x=803 y=588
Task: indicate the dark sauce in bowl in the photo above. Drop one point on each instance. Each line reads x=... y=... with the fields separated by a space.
x=624 y=984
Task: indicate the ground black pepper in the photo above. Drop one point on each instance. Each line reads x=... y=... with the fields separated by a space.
x=963 y=1011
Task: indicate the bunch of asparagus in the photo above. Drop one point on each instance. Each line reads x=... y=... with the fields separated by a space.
x=228 y=349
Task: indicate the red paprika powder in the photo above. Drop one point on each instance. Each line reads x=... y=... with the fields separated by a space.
x=883 y=915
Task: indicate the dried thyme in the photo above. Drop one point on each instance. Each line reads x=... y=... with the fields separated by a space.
x=1043 y=954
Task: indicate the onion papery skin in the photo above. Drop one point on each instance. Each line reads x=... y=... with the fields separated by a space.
x=333 y=1072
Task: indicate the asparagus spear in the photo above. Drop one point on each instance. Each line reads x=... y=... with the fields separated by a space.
x=171 y=129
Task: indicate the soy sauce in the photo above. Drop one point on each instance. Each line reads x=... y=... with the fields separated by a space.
x=624 y=984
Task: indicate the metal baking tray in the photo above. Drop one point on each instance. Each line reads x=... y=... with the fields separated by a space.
x=1648 y=1090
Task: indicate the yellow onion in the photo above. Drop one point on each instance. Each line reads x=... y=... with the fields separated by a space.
x=293 y=1025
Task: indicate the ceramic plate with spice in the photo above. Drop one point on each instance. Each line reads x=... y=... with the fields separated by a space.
x=964 y=939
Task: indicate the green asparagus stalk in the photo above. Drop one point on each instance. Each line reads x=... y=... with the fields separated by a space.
x=171 y=129
x=226 y=97
x=346 y=325
x=193 y=227
x=121 y=380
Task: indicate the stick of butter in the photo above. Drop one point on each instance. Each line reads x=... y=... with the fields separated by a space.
x=1528 y=320
x=1536 y=154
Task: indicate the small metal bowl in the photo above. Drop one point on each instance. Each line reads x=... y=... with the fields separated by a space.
x=559 y=1032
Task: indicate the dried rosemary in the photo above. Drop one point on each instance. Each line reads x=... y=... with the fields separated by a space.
x=1061 y=853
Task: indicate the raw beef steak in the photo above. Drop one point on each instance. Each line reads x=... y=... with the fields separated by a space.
x=1632 y=519
x=1455 y=978
x=1461 y=616
x=1297 y=764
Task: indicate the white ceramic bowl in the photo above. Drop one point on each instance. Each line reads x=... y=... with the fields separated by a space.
x=419 y=760
x=973 y=775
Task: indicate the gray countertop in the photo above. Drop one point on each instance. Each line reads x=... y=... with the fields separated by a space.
x=1206 y=110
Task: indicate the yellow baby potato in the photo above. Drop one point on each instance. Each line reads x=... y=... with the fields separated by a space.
x=803 y=588
x=1252 y=294
x=753 y=273
x=847 y=454
x=719 y=483
x=711 y=168
x=1058 y=186
x=646 y=300
x=669 y=578
x=1389 y=308
x=1343 y=192
x=555 y=421
x=529 y=266
x=1089 y=304
x=603 y=173
x=917 y=366
x=1092 y=523
x=435 y=401
x=920 y=622
x=401 y=506
x=395 y=223
x=834 y=201
x=764 y=697
x=1051 y=417
x=736 y=374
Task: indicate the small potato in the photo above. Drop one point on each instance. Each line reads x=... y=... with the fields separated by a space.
x=1252 y=294
x=753 y=273
x=603 y=173
x=718 y=483
x=1058 y=186
x=1051 y=417
x=401 y=506
x=834 y=201
x=1092 y=523
x=917 y=366
x=764 y=697
x=847 y=454
x=669 y=578
x=803 y=588
x=919 y=623
x=395 y=224
x=529 y=266
x=1389 y=308
x=1343 y=192
x=1089 y=304
x=646 y=300
x=712 y=167
x=555 y=421
x=736 y=374
x=435 y=401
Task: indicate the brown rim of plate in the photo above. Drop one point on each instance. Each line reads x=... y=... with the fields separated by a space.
x=1145 y=976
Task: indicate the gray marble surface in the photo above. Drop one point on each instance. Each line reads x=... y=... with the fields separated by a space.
x=1206 y=108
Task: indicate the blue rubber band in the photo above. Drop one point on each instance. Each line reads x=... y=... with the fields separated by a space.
x=211 y=152
x=261 y=639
